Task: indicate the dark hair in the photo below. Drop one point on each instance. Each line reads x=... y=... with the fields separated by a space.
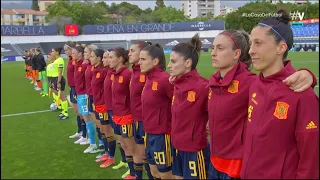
x=143 y=44
x=280 y=29
x=98 y=53
x=121 y=52
x=241 y=41
x=58 y=49
x=156 y=51
x=190 y=49
x=71 y=44
x=79 y=49
x=38 y=50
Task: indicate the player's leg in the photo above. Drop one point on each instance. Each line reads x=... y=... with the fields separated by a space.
x=149 y=144
x=177 y=165
x=74 y=105
x=45 y=87
x=116 y=130
x=32 y=76
x=129 y=145
x=139 y=156
x=64 y=101
x=83 y=109
x=39 y=85
x=163 y=156
x=108 y=138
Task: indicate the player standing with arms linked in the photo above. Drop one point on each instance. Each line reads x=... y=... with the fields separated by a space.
x=282 y=132
x=230 y=85
x=191 y=151
x=156 y=101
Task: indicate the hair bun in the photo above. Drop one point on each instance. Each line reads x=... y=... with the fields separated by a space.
x=196 y=43
x=284 y=16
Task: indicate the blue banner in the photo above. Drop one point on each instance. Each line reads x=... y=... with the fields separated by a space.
x=14 y=30
x=8 y=59
x=152 y=28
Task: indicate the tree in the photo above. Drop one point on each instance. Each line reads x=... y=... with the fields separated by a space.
x=159 y=4
x=168 y=14
x=35 y=5
x=240 y=19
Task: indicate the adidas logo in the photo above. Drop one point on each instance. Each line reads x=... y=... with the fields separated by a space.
x=172 y=43
x=206 y=41
x=311 y=125
x=5 y=50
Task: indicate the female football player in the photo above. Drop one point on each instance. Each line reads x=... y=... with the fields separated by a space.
x=282 y=130
x=137 y=83
x=230 y=85
x=121 y=104
x=88 y=78
x=73 y=95
x=191 y=152
x=97 y=82
x=156 y=101
x=108 y=105
x=82 y=97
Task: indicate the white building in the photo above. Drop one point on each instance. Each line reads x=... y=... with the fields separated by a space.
x=22 y=17
x=198 y=8
x=226 y=10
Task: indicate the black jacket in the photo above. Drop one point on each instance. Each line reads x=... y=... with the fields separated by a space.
x=41 y=63
x=34 y=63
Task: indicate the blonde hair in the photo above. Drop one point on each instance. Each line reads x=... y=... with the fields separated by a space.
x=92 y=47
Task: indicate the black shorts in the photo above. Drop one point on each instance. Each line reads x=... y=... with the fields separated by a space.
x=54 y=83
x=50 y=80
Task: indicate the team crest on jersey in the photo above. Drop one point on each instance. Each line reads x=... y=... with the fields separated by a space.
x=281 y=110
x=154 y=86
x=92 y=68
x=112 y=77
x=233 y=87
x=142 y=78
x=73 y=62
x=98 y=75
x=191 y=96
x=120 y=80
x=80 y=69
x=210 y=93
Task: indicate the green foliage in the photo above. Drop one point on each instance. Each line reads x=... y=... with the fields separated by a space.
x=35 y=5
x=88 y=12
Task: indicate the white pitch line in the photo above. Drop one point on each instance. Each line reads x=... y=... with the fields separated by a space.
x=33 y=112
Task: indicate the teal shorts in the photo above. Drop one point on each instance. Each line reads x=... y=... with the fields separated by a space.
x=42 y=75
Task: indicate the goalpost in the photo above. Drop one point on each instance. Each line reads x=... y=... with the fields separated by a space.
x=112 y=45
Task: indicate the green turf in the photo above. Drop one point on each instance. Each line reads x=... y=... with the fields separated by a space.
x=37 y=145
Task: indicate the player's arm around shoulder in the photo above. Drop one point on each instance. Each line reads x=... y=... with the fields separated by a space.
x=307 y=135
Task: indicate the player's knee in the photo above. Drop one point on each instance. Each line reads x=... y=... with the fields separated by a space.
x=155 y=173
x=166 y=175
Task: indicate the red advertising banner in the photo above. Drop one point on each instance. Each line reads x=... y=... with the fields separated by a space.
x=71 y=30
x=309 y=21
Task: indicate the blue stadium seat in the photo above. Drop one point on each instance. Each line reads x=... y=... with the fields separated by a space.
x=306 y=31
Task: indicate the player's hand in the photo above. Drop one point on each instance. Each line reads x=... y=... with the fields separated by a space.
x=299 y=81
x=59 y=85
x=171 y=79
